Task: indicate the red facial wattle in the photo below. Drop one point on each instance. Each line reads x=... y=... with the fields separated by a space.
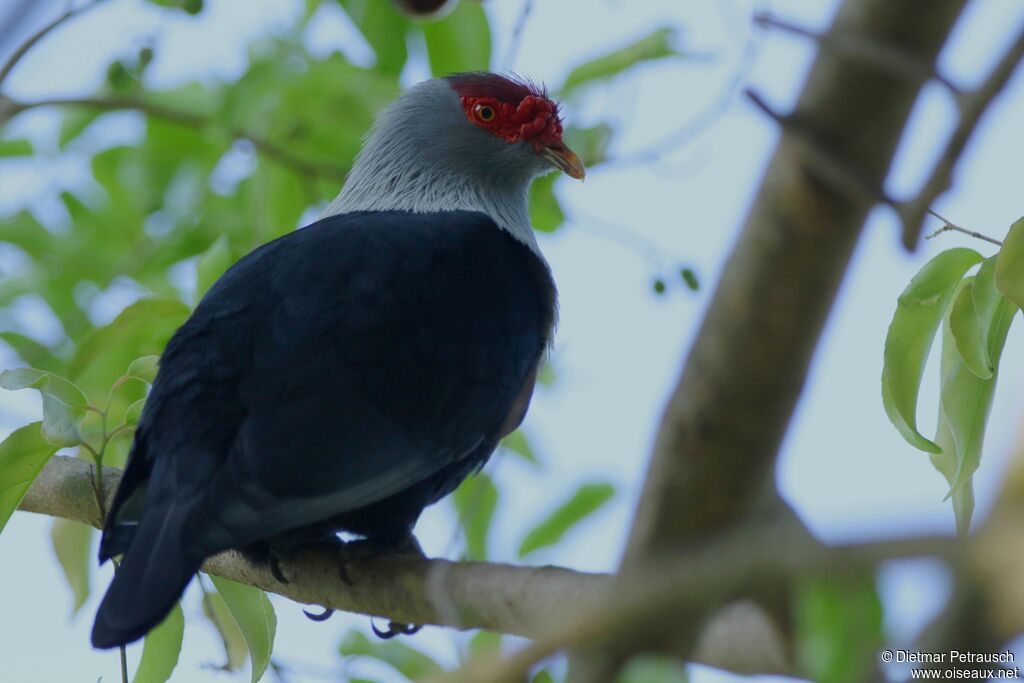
x=534 y=119
x=517 y=111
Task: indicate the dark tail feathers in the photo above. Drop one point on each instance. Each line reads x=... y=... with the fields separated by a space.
x=151 y=578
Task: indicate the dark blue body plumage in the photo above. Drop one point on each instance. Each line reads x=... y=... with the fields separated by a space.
x=346 y=375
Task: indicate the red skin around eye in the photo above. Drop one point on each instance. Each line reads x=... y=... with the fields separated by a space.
x=534 y=119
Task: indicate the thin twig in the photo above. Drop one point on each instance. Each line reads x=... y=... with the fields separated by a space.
x=972 y=107
x=30 y=42
x=183 y=118
x=703 y=120
x=517 y=34
x=890 y=57
x=950 y=226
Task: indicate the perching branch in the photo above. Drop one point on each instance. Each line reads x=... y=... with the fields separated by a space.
x=559 y=607
x=10 y=108
x=497 y=597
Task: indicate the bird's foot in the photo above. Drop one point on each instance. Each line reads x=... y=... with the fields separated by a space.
x=323 y=616
x=395 y=629
x=351 y=552
x=275 y=552
x=274 y=560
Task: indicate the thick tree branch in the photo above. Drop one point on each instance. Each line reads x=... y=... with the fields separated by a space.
x=721 y=430
x=715 y=452
x=755 y=557
x=497 y=597
x=866 y=48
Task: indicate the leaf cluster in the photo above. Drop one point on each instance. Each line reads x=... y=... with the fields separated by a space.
x=975 y=312
x=216 y=169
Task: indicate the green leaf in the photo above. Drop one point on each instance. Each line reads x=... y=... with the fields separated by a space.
x=32 y=352
x=652 y=669
x=408 y=661
x=967 y=399
x=974 y=310
x=189 y=6
x=72 y=542
x=591 y=144
x=161 y=649
x=22 y=456
x=548 y=374
x=542 y=676
x=545 y=212
x=24 y=231
x=986 y=301
x=141 y=329
x=919 y=311
x=946 y=462
x=517 y=443
x=475 y=501
x=384 y=29
x=285 y=197
x=690 y=278
x=235 y=648
x=15 y=148
x=133 y=413
x=459 y=42
x=485 y=644
x=1010 y=265
x=74 y=122
x=838 y=626
x=588 y=499
x=64 y=404
x=255 y=616
x=655 y=45
x=967 y=332
x=211 y=265
x=144 y=368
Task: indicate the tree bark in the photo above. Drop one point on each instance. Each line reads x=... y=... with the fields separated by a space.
x=714 y=458
x=499 y=597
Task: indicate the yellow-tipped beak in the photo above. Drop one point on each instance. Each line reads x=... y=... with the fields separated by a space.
x=565 y=160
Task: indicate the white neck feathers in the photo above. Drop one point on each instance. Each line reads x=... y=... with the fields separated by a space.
x=423 y=156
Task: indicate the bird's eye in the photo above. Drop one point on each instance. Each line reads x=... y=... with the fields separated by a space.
x=485 y=113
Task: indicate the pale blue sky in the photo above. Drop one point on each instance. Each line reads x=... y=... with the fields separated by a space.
x=619 y=348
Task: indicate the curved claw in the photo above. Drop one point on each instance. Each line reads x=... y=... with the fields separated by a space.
x=323 y=616
x=275 y=568
x=394 y=629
